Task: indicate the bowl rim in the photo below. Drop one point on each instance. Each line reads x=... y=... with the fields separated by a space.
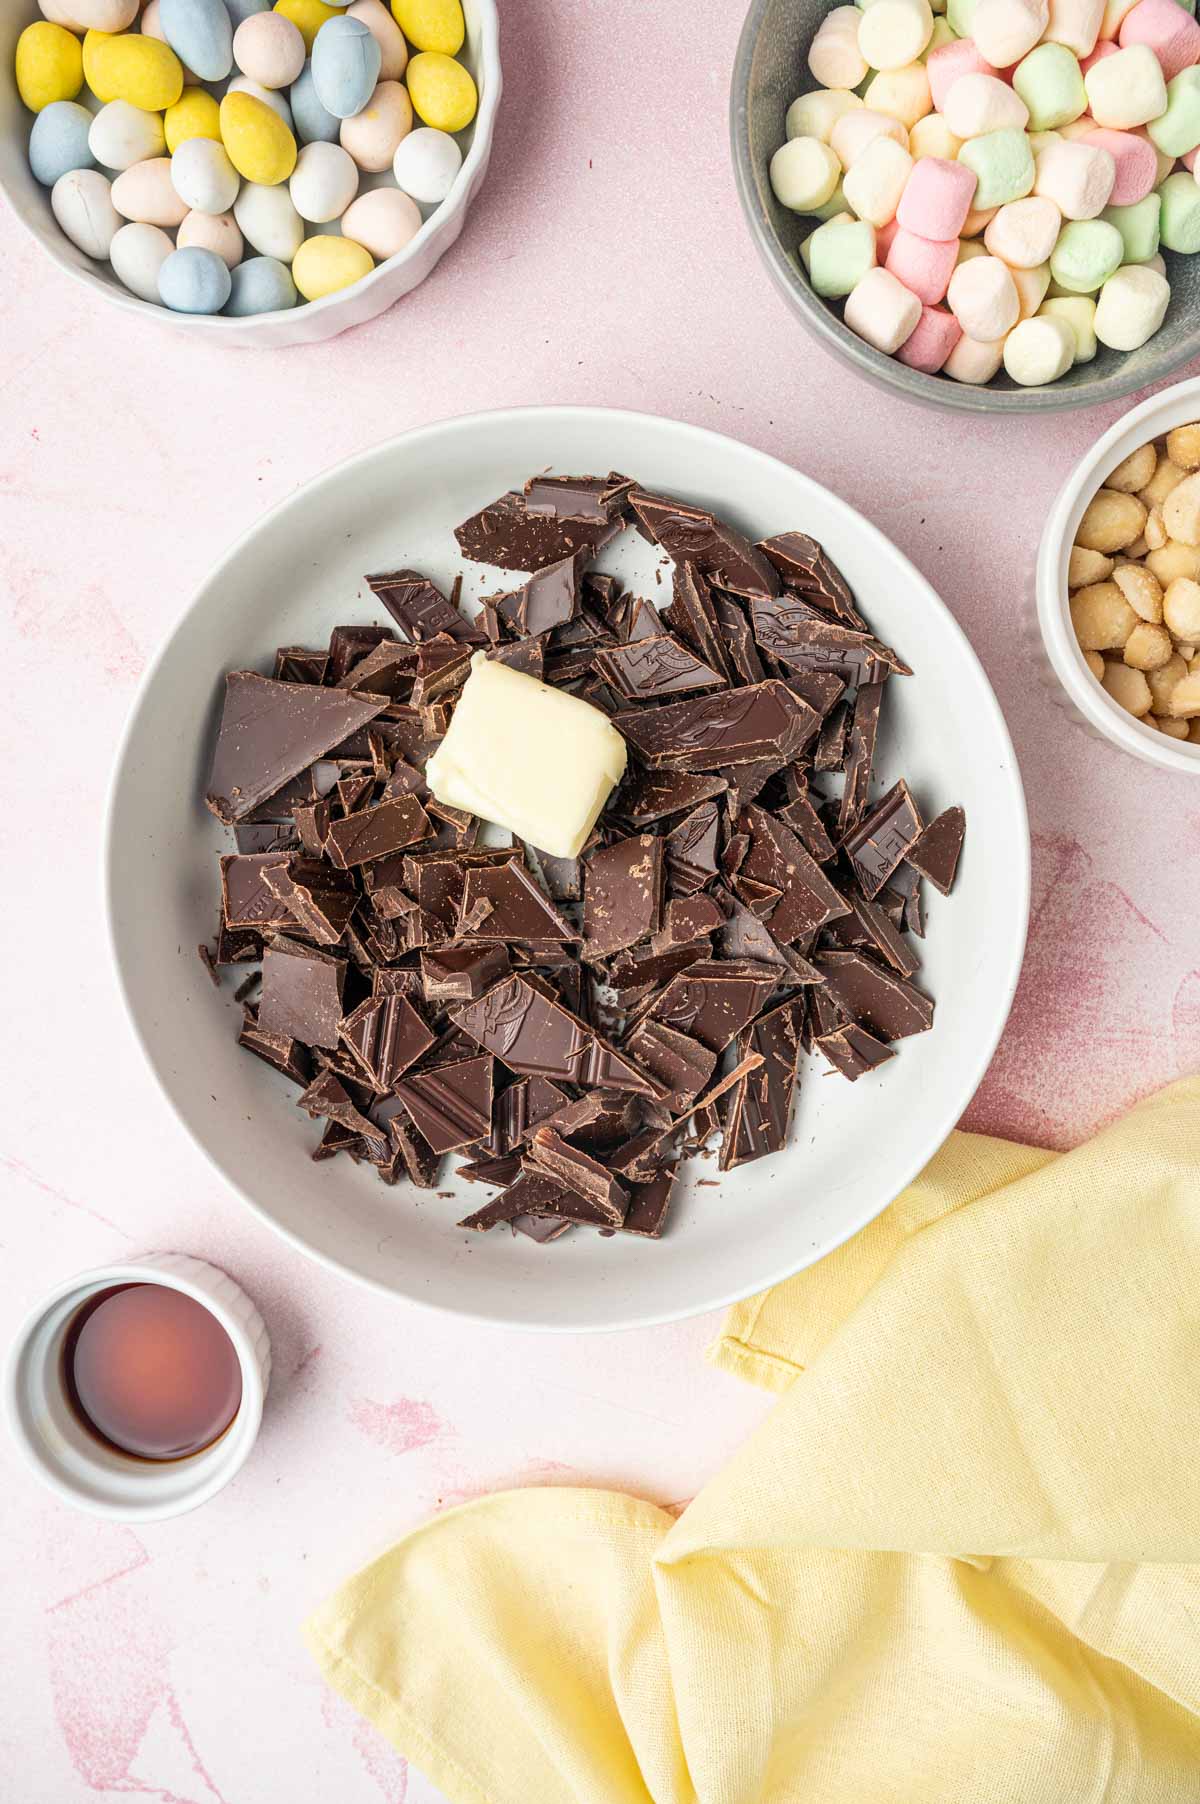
x=911 y=385
x=1174 y=406
x=447 y=211
x=715 y=442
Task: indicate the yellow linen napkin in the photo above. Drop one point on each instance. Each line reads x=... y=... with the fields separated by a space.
x=954 y=1565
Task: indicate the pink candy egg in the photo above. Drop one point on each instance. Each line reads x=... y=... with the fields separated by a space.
x=269 y=49
x=212 y=232
x=386 y=33
x=371 y=136
x=384 y=221
x=146 y=193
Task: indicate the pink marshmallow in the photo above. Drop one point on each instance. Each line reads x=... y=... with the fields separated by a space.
x=922 y=264
x=937 y=197
x=1137 y=165
x=935 y=336
x=948 y=62
x=1189 y=159
x=884 y=235
x=1172 y=34
x=1104 y=48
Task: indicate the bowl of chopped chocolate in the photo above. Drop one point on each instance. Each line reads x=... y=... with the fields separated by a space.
x=568 y=869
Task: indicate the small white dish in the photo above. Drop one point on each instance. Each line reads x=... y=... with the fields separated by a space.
x=299 y=573
x=1089 y=702
x=78 y=1466
x=311 y=322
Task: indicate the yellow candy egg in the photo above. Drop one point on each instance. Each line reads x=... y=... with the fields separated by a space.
x=307 y=16
x=129 y=67
x=441 y=90
x=431 y=24
x=324 y=264
x=49 y=65
x=260 y=146
x=194 y=115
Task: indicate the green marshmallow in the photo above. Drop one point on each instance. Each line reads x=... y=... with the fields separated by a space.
x=960 y=14
x=1087 y=253
x=839 y=254
x=1177 y=131
x=1003 y=164
x=1179 y=226
x=834 y=205
x=1138 y=226
x=1050 y=82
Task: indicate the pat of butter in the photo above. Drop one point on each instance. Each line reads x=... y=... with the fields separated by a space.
x=527 y=757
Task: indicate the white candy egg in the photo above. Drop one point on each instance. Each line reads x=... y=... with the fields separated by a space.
x=203 y=176
x=92 y=15
x=121 y=135
x=324 y=182
x=137 y=253
x=426 y=163
x=269 y=221
x=83 y=206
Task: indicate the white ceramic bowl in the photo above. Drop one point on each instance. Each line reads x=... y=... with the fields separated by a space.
x=1089 y=702
x=80 y=1468
x=308 y=323
x=854 y=1147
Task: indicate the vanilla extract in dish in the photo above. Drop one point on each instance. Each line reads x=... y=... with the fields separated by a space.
x=151 y=1372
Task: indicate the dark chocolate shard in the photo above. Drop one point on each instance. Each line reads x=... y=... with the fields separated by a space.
x=561 y=878
x=270 y=836
x=935 y=852
x=519 y=1109
x=758 y=1109
x=461 y=973
x=833 y=741
x=905 y=883
x=880 y=1000
x=328 y=1096
x=321 y=900
x=853 y=1051
x=860 y=756
x=597 y=499
x=596 y=1120
x=688 y=918
x=867 y=928
x=622 y=895
x=419 y=608
x=386 y=1036
x=373 y=833
x=677 y=1062
x=693 y=614
x=690 y=850
x=299 y=664
x=517 y=907
x=452 y=1105
x=571 y=1166
x=800 y=815
x=649 y=1204
x=302 y=993
x=421 y=1164
x=713 y=1000
x=650 y=795
x=805 y=568
x=692 y=535
x=551 y=596
x=246 y=898
x=741 y=652
x=537 y=1193
x=883 y=838
x=789 y=629
x=270 y=732
x=744 y=936
x=349 y=644
x=818 y=688
x=512 y=535
x=634 y=974
x=280 y=1050
x=537 y=1037
x=646 y=669
x=387 y=669
x=735 y=726
x=776 y=858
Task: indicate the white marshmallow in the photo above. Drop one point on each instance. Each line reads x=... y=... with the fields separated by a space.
x=874 y=186
x=1024 y=232
x=1039 y=350
x=1126 y=89
x=1078 y=178
x=1031 y=286
x=853 y=133
x=815 y=115
x=977 y=103
x=932 y=137
x=804 y=173
x=1114 y=14
x=894 y=32
x=1079 y=311
x=1006 y=30
x=983 y=298
x=882 y=310
x=904 y=93
x=834 y=58
x=1075 y=23
x=973 y=362
x=1131 y=307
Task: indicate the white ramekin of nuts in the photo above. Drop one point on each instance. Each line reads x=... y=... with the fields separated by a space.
x=1118 y=582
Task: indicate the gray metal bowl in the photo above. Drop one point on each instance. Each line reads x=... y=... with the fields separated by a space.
x=771 y=68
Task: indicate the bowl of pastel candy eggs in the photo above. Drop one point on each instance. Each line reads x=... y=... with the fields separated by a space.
x=983 y=204
x=266 y=173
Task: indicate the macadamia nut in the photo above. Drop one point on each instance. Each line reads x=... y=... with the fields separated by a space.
x=1181 y=608
x=1141 y=590
x=1112 y=520
x=1148 y=647
x=1183 y=446
x=1135 y=472
x=1128 y=688
x=1102 y=618
x=1086 y=566
x=1181 y=511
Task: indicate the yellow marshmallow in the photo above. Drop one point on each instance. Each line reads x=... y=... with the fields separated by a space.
x=431 y=24
x=324 y=264
x=442 y=91
x=127 y=66
x=49 y=65
x=194 y=115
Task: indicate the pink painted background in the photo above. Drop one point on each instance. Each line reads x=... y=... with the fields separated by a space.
x=606 y=263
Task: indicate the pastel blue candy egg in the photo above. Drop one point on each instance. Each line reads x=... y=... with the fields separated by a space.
x=194 y=281
x=58 y=142
x=200 y=32
x=239 y=10
x=314 y=123
x=346 y=60
x=260 y=285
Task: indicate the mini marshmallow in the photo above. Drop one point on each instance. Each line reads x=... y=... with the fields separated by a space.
x=959 y=15
x=874 y=186
x=892 y=33
x=804 y=173
x=1114 y=14
x=1087 y=253
x=839 y=255
x=1007 y=30
x=1080 y=314
x=1177 y=131
x=1077 y=177
x=1003 y=164
x=942 y=33
x=834 y=57
x=1104 y=48
x=973 y=362
x=1166 y=164
x=937 y=198
x=1179 y=222
x=806 y=243
x=1050 y=84
x=1158 y=263
x=978 y=220
x=1132 y=306
x=949 y=64
x=977 y=103
x=1024 y=232
x=1031 y=286
x=1039 y=350
x=1075 y=23
x=971 y=247
x=855 y=131
x=1138 y=226
x=1079 y=128
x=932 y=137
x=1128 y=88
x=931 y=341
x=833 y=206
x=1166 y=29
x=884 y=238
x=815 y=115
x=983 y=298
x=881 y=310
x=904 y=93
x=924 y=265
x=1134 y=161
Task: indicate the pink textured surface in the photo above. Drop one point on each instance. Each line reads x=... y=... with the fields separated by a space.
x=606 y=263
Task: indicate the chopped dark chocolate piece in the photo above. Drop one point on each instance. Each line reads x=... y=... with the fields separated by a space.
x=550 y=598
x=207 y=958
x=375 y=832
x=883 y=838
x=805 y=568
x=541 y=1229
x=337 y=1139
x=867 y=928
x=744 y=936
x=645 y=669
x=759 y=1109
x=678 y=1063
x=596 y=1120
x=347 y=645
x=312 y=824
x=420 y=1162
x=633 y=974
x=692 y=535
x=904 y=882
x=688 y=918
x=320 y=899
x=736 y=726
x=519 y=1109
x=517 y=909
x=451 y=1105
x=649 y=1204
x=833 y=741
x=443 y=665
x=272 y=731
x=622 y=895
x=650 y=795
x=525 y=655
x=269 y=836
x=776 y=858
x=562 y=878
x=386 y=1036
x=741 y=653
x=853 y=1051
x=746 y=781
x=302 y=993
x=713 y=1000
x=387 y=669
x=935 y=852
x=461 y=973
x=806 y=823
x=238 y=945
x=880 y=1000
x=816 y=687
x=799 y=635
x=860 y=757
x=420 y=609
x=512 y=535
x=600 y=499
x=537 y=1193
x=498 y=1171
x=297 y=664
x=537 y=1037
x=571 y=1166
x=690 y=850
x=246 y=899
x=328 y=1096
